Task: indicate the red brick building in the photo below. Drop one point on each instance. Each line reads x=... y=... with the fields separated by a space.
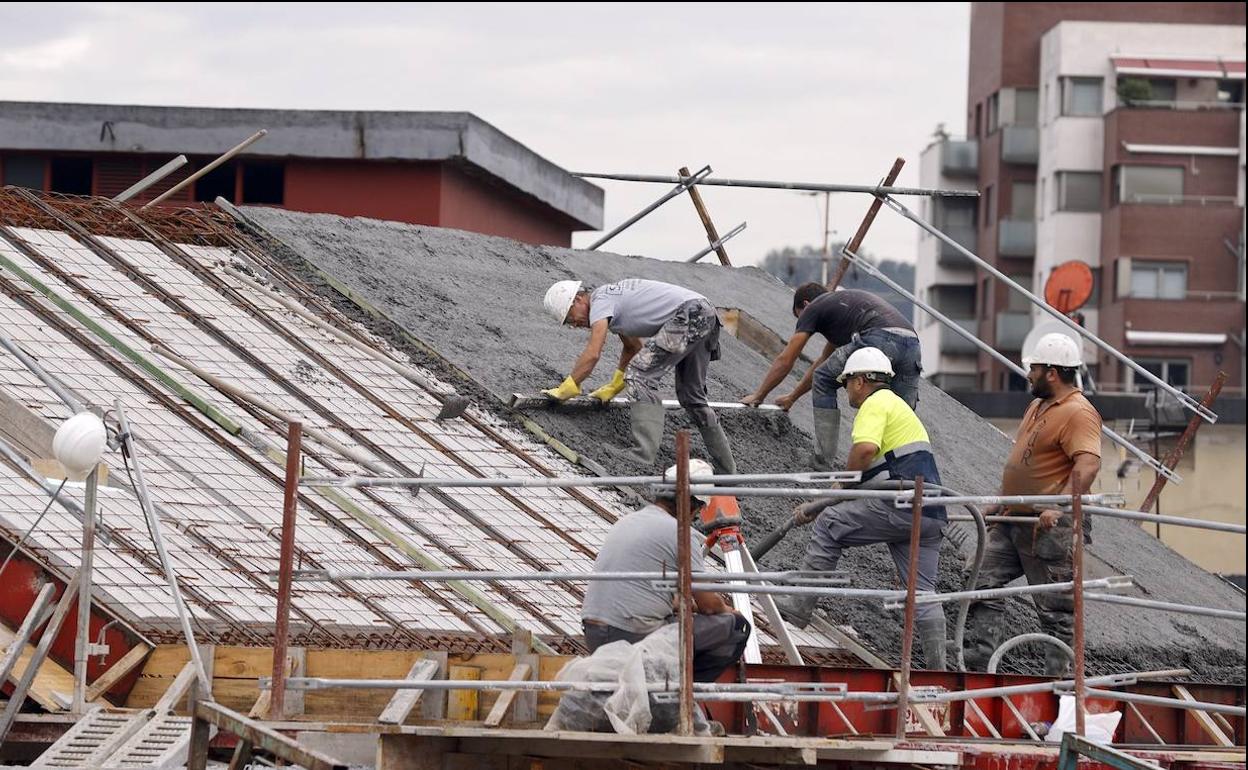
x=1113 y=134
x=449 y=169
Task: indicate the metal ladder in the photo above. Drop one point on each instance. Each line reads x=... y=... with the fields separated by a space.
x=162 y=742
x=93 y=738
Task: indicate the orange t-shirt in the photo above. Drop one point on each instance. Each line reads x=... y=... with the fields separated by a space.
x=1051 y=434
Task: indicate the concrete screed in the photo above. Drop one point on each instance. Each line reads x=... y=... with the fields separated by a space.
x=477 y=300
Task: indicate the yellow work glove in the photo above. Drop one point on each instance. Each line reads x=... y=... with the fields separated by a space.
x=612 y=388
x=567 y=389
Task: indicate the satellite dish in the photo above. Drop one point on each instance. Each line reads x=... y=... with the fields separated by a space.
x=1050 y=327
x=1069 y=286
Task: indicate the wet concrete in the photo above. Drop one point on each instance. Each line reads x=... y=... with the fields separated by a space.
x=477 y=300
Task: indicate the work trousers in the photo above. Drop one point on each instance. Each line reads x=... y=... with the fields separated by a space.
x=718 y=642
x=902 y=348
x=687 y=343
x=1043 y=556
x=869 y=521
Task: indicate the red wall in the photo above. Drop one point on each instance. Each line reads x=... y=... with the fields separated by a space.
x=471 y=203
x=406 y=192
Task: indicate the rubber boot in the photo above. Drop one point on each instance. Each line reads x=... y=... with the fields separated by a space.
x=827 y=437
x=647 y=424
x=932 y=637
x=717 y=446
x=1056 y=661
x=797 y=610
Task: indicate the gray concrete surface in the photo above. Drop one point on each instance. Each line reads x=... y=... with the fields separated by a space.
x=478 y=301
x=332 y=134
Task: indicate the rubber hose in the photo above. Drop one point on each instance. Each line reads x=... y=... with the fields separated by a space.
x=1013 y=642
x=964 y=606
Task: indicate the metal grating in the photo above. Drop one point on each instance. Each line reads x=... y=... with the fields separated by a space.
x=220 y=496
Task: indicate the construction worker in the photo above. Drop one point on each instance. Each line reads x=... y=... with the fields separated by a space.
x=630 y=610
x=889 y=442
x=1060 y=436
x=662 y=327
x=848 y=319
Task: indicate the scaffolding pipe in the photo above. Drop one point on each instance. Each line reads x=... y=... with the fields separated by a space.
x=1117 y=581
x=150 y=179
x=559 y=482
x=718 y=242
x=956 y=328
x=907 y=626
x=53 y=384
x=130 y=446
x=1183 y=609
x=230 y=153
x=82 y=640
x=1188 y=401
x=798 y=186
x=791 y=577
x=682 y=184
x=1154 y=700
x=1178 y=521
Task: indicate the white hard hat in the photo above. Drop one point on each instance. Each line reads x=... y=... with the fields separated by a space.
x=696 y=468
x=79 y=444
x=866 y=361
x=559 y=298
x=1055 y=349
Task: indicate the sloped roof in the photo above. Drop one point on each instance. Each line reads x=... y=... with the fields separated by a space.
x=213 y=464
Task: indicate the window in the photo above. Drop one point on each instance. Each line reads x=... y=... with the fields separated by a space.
x=1158 y=280
x=1023 y=201
x=979 y=120
x=1013 y=382
x=953 y=301
x=1147 y=92
x=1149 y=184
x=264 y=183
x=993 y=102
x=1231 y=91
x=1015 y=301
x=989 y=213
x=217 y=183
x=1172 y=372
x=1081 y=97
x=1078 y=191
x=1026 y=107
x=71 y=176
x=24 y=171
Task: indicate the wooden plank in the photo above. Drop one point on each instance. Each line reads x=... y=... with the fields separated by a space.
x=507 y=697
x=461 y=705
x=34 y=675
x=242 y=754
x=433 y=704
x=260 y=709
x=403 y=701
x=118 y=671
x=1206 y=723
x=15 y=643
x=923 y=714
x=524 y=709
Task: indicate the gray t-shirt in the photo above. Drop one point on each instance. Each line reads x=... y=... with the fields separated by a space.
x=642 y=541
x=637 y=307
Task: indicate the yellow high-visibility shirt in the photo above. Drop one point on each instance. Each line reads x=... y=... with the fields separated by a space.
x=888 y=422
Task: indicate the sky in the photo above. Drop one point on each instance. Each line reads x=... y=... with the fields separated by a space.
x=797 y=92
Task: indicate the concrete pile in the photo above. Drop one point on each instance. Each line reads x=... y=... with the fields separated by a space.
x=477 y=302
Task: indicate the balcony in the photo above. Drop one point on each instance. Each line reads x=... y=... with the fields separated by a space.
x=967 y=236
x=1016 y=238
x=1020 y=144
x=1012 y=328
x=959 y=158
x=954 y=344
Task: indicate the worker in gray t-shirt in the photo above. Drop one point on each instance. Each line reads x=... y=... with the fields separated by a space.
x=662 y=327
x=630 y=610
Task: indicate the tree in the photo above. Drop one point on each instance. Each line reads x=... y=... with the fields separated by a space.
x=796 y=266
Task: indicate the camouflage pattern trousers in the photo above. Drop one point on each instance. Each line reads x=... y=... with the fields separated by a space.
x=1043 y=556
x=687 y=343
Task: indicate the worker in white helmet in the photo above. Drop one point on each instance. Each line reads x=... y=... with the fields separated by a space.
x=662 y=327
x=630 y=610
x=1059 y=438
x=889 y=442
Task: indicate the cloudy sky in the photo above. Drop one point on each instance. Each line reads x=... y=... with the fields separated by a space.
x=828 y=93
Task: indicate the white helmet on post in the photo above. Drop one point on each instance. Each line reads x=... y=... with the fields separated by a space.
x=696 y=468
x=79 y=444
x=559 y=298
x=1055 y=349
x=867 y=361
